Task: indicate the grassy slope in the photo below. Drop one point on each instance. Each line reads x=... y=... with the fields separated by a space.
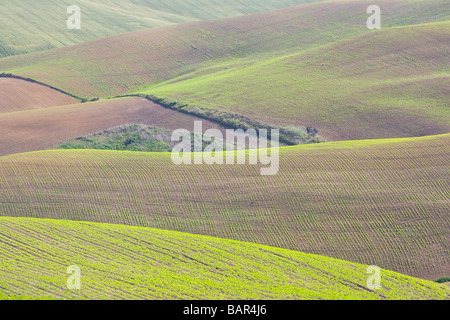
x=35 y=26
x=392 y=83
x=382 y=202
x=33 y=130
x=121 y=262
x=119 y=64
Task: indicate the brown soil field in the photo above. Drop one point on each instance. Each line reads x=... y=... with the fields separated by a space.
x=19 y=95
x=381 y=202
x=43 y=128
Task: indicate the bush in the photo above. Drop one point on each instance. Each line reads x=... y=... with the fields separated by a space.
x=131 y=137
x=442 y=280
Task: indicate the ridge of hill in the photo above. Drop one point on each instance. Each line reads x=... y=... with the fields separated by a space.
x=386 y=84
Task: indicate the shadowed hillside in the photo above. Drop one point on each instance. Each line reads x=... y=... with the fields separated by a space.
x=19 y=95
x=34 y=130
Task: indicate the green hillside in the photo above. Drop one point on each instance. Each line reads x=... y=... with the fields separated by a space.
x=382 y=202
x=391 y=83
x=30 y=26
x=121 y=262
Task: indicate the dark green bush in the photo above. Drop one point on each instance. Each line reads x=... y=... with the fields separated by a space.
x=443 y=279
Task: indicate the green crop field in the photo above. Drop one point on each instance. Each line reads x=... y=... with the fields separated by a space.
x=87 y=178
x=39 y=26
x=381 y=202
x=352 y=89
x=121 y=262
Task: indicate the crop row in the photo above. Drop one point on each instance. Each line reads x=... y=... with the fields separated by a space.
x=375 y=202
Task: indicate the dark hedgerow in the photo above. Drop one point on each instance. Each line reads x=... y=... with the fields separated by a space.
x=442 y=280
x=288 y=135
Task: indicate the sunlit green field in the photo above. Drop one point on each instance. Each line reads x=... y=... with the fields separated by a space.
x=117 y=65
x=352 y=89
x=120 y=262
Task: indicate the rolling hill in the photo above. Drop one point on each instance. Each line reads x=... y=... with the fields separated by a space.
x=39 y=129
x=382 y=202
x=119 y=64
x=142 y=227
x=121 y=262
x=42 y=26
x=391 y=83
x=280 y=67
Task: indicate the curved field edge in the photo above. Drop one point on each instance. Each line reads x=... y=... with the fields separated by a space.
x=39 y=129
x=382 y=202
x=122 y=262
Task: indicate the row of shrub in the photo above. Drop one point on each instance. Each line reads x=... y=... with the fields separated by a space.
x=289 y=135
x=443 y=280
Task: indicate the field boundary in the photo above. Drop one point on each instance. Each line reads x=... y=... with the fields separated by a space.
x=287 y=136
x=14 y=76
